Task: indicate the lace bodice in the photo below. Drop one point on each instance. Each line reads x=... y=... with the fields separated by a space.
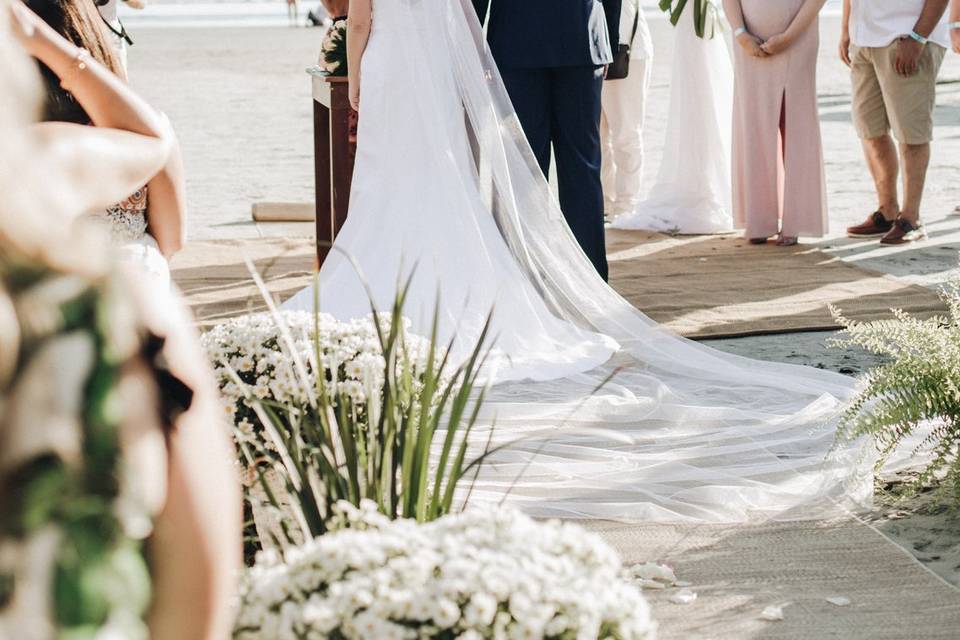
x=126 y=220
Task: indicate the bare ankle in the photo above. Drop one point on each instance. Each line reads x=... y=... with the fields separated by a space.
x=910 y=216
x=889 y=211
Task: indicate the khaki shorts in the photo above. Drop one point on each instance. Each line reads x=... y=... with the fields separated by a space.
x=883 y=99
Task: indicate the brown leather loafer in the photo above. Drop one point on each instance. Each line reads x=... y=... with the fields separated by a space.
x=903 y=231
x=875 y=225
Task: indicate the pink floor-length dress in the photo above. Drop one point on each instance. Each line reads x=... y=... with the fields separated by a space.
x=778 y=185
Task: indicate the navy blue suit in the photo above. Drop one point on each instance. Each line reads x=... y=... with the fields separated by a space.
x=551 y=54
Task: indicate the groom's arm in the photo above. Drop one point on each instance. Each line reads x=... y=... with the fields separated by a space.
x=482 y=6
x=612 y=9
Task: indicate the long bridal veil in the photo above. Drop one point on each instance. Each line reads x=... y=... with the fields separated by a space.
x=701 y=436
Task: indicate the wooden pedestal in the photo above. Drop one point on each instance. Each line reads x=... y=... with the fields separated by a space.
x=334 y=148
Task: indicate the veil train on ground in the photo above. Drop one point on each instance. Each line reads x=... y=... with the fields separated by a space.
x=702 y=436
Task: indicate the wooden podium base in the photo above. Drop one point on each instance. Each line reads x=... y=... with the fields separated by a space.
x=334 y=149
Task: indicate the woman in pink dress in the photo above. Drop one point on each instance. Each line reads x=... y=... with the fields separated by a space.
x=778 y=183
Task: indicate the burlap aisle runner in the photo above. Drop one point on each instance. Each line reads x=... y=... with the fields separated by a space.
x=721 y=286
x=701 y=287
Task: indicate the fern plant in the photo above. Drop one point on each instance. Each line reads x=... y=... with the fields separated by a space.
x=919 y=384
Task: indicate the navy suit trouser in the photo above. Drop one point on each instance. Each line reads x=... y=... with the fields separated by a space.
x=559 y=107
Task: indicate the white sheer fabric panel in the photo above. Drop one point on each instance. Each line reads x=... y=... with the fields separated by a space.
x=692 y=193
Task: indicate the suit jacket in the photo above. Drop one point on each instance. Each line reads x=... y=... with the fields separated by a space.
x=534 y=34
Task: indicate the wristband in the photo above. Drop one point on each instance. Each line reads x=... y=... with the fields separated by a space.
x=919 y=38
x=954 y=25
x=739 y=32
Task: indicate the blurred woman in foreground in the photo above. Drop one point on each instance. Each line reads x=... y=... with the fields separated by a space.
x=118 y=509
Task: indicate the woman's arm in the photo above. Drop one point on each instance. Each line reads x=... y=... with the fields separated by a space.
x=167 y=202
x=801 y=22
x=131 y=145
x=97 y=167
x=359 y=21
x=744 y=38
x=196 y=547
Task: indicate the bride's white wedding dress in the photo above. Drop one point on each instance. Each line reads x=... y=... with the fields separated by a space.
x=416 y=205
x=681 y=433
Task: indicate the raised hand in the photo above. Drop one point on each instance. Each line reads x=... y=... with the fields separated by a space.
x=752 y=45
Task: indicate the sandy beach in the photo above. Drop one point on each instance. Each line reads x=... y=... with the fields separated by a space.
x=240 y=100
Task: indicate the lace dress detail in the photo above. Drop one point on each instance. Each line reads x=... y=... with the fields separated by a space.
x=126 y=220
x=126 y=223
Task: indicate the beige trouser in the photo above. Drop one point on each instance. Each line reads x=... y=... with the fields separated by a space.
x=884 y=99
x=621 y=130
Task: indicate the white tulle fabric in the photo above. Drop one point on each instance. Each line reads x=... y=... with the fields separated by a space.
x=682 y=433
x=692 y=193
x=134 y=246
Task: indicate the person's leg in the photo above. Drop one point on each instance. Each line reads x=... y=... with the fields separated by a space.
x=529 y=91
x=755 y=159
x=881 y=154
x=626 y=115
x=576 y=141
x=786 y=237
x=608 y=167
x=804 y=190
x=916 y=160
x=910 y=101
x=873 y=126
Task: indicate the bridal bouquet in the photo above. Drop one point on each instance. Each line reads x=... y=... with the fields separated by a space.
x=333 y=51
x=484 y=573
x=707 y=15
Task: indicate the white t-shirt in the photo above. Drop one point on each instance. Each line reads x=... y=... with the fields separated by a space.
x=642 y=46
x=877 y=23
